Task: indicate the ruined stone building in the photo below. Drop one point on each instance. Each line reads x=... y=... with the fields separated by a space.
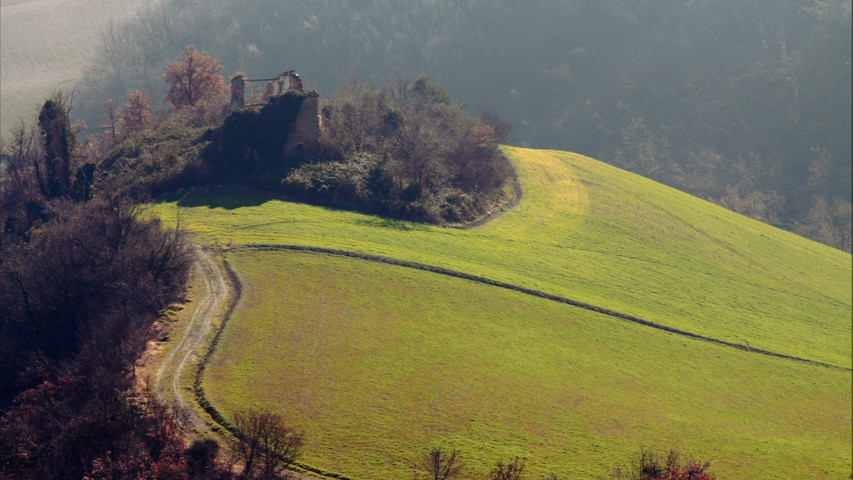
x=304 y=140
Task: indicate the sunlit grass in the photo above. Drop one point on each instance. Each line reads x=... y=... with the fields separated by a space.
x=377 y=363
x=596 y=234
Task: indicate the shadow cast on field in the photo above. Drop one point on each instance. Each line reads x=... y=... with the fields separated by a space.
x=232 y=197
x=227 y=197
x=392 y=224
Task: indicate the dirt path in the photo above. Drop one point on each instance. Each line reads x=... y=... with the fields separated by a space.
x=168 y=377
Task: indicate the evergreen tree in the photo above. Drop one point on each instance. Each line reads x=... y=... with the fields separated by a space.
x=59 y=140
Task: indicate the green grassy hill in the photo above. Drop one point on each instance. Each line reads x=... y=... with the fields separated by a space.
x=599 y=235
x=377 y=361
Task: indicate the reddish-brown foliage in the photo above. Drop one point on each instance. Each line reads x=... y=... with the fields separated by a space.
x=193 y=79
x=136 y=113
x=652 y=466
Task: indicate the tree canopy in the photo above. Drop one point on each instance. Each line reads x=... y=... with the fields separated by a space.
x=194 y=78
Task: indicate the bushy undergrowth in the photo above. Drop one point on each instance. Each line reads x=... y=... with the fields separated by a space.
x=160 y=160
x=362 y=183
x=84 y=278
x=432 y=161
x=351 y=182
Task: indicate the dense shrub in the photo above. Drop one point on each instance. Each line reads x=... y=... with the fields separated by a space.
x=80 y=294
x=85 y=286
x=156 y=161
x=345 y=182
x=407 y=151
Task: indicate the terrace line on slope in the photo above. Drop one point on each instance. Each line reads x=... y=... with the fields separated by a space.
x=536 y=293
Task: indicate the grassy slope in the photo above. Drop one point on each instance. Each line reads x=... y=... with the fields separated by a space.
x=378 y=362
x=599 y=235
x=46 y=45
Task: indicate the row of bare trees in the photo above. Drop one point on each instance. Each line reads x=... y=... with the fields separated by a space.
x=441 y=464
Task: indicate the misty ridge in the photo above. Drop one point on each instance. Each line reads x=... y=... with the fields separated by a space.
x=746 y=104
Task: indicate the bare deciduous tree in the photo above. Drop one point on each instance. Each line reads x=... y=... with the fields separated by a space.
x=439 y=464
x=136 y=113
x=267 y=445
x=828 y=222
x=510 y=470
x=112 y=119
x=649 y=465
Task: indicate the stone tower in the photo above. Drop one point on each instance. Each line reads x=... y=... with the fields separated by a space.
x=238 y=91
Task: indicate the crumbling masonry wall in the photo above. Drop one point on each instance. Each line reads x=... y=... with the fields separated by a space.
x=238 y=92
x=303 y=142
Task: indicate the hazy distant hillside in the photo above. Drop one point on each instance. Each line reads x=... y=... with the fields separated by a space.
x=48 y=44
x=746 y=103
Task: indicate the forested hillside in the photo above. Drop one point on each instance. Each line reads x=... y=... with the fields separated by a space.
x=744 y=103
x=49 y=44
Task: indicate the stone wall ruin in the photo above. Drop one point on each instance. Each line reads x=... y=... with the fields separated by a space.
x=304 y=140
x=278 y=85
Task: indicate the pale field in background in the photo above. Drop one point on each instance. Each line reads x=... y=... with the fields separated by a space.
x=47 y=45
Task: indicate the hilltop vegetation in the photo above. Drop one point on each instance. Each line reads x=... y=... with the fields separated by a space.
x=746 y=104
x=408 y=151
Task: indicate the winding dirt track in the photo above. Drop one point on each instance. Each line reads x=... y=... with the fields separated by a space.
x=168 y=376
